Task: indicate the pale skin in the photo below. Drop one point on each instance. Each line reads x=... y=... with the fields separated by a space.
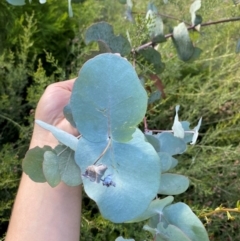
x=41 y=212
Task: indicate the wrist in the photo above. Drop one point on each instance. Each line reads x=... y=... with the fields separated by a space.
x=42 y=137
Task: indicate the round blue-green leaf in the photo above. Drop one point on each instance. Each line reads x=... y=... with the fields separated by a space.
x=173 y=184
x=108 y=99
x=167 y=161
x=171 y=144
x=51 y=169
x=155 y=207
x=153 y=141
x=171 y=233
x=181 y=216
x=135 y=169
x=32 y=163
x=69 y=170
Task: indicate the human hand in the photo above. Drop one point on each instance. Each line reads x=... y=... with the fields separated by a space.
x=50 y=110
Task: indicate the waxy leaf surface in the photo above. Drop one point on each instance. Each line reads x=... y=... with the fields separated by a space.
x=51 y=168
x=181 y=216
x=32 y=163
x=173 y=184
x=69 y=170
x=134 y=166
x=108 y=99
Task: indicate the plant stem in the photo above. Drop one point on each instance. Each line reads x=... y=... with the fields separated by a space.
x=151 y=44
x=104 y=151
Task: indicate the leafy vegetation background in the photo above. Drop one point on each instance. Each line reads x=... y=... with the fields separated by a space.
x=40 y=44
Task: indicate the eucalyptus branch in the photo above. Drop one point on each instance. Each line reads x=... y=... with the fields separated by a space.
x=151 y=43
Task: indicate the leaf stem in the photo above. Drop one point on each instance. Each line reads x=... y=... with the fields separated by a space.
x=104 y=151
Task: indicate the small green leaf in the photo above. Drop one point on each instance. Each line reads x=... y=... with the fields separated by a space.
x=69 y=170
x=183 y=42
x=181 y=216
x=156 y=95
x=154 y=23
x=167 y=161
x=171 y=233
x=195 y=6
x=173 y=184
x=103 y=31
x=152 y=56
x=103 y=47
x=153 y=141
x=171 y=144
x=155 y=207
x=51 y=168
x=32 y=163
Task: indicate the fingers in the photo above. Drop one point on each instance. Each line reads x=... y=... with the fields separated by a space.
x=67 y=84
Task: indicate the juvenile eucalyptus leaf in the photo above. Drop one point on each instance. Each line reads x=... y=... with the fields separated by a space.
x=103 y=47
x=62 y=136
x=152 y=56
x=32 y=163
x=153 y=141
x=183 y=42
x=171 y=144
x=154 y=23
x=156 y=95
x=103 y=31
x=195 y=6
x=108 y=99
x=67 y=111
x=155 y=207
x=171 y=233
x=196 y=53
x=177 y=128
x=69 y=170
x=173 y=184
x=51 y=168
x=16 y=2
x=181 y=216
x=188 y=136
x=167 y=161
x=133 y=166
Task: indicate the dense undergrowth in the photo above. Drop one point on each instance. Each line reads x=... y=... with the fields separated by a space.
x=39 y=45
